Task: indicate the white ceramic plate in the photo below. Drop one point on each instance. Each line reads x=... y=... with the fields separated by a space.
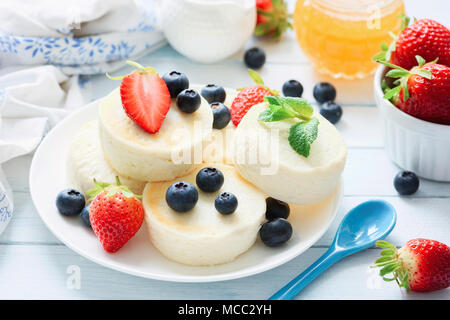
x=138 y=256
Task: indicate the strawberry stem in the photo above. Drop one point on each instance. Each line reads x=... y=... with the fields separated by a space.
x=259 y=81
x=403 y=76
x=141 y=69
x=135 y=64
x=391 y=264
x=111 y=190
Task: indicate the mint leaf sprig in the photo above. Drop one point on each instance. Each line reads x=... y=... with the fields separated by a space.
x=303 y=133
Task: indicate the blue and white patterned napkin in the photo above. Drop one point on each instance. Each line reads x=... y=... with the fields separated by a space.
x=79 y=37
x=47 y=51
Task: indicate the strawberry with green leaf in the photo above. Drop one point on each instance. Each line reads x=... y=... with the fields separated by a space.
x=248 y=97
x=421 y=265
x=272 y=18
x=115 y=213
x=423 y=91
x=425 y=37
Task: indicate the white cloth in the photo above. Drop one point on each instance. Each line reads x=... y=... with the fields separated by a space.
x=47 y=49
x=80 y=37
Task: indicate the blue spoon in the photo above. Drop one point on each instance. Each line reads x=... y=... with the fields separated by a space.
x=359 y=230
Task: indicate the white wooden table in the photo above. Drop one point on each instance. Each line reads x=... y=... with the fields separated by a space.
x=35 y=264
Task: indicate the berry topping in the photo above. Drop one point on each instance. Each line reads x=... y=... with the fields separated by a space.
x=406 y=182
x=176 y=82
x=188 y=101
x=115 y=213
x=255 y=58
x=323 y=92
x=70 y=202
x=221 y=115
x=85 y=216
x=145 y=97
x=248 y=97
x=292 y=88
x=275 y=232
x=331 y=111
x=182 y=196
x=213 y=93
x=209 y=179
x=276 y=209
x=226 y=203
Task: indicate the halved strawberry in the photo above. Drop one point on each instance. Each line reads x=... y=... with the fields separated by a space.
x=248 y=97
x=145 y=97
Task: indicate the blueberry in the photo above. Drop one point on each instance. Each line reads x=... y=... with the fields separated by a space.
x=331 y=111
x=85 y=216
x=209 y=179
x=176 y=82
x=221 y=115
x=70 y=202
x=255 y=58
x=276 y=209
x=226 y=203
x=182 y=196
x=213 y=93
x=406 y=182
x=275 y=232
x=324 y=91
x=188 y=101
x=292 y=88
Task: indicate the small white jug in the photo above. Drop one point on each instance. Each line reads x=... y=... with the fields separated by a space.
x=207 y=31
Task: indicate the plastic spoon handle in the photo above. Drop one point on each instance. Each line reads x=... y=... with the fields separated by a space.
x=290 y=290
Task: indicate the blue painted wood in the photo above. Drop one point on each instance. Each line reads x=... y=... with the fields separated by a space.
x=34 y=264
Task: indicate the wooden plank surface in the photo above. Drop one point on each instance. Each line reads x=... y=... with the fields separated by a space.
x=35 y=264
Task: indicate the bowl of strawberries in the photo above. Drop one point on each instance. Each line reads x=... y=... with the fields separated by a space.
x=412 y=90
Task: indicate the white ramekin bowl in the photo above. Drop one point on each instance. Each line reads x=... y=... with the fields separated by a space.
x=414 y=144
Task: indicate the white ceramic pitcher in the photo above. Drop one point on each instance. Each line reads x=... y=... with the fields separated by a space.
x=207 y=31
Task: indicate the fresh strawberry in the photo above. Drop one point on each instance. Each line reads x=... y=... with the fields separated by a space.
x=145 y=97
x=272 y=18
x=248 y=97
x=421 y=265
x=425 y=37
x=115 y=213
x=423 y=92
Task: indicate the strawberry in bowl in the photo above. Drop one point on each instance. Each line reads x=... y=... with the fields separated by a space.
x=423 y=91
x=425 y=37
x=414 y=99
